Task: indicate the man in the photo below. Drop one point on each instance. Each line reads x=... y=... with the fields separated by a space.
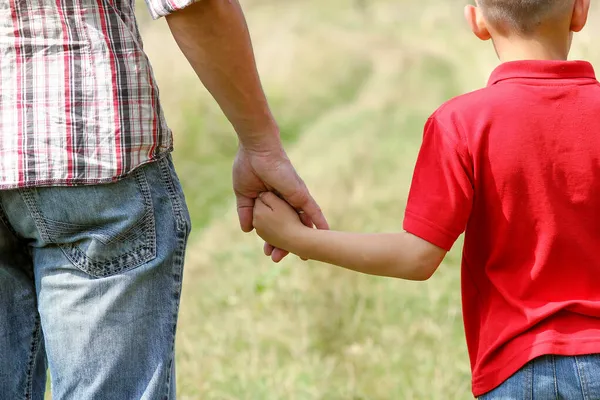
x=93 y=220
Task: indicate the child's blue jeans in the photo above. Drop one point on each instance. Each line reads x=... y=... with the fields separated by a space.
x=90 y=281
x=553 y=378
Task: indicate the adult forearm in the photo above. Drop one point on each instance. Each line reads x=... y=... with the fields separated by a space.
x=214 y=37
x=400 y=255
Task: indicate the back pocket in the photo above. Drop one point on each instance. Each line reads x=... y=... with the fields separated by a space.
x=102 y=229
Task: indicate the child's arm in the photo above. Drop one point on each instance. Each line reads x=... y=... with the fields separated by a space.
x=399 y=255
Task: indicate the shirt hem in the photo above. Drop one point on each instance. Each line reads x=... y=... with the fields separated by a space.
x=160 y=10
x=483 y=384
x=63 y=182
x=428 y=231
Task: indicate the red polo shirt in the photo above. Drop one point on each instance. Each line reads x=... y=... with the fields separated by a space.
x=517 y=165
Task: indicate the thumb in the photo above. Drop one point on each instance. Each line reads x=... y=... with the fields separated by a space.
x=245 y=209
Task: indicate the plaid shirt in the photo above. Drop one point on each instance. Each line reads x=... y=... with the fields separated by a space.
x=78 y=100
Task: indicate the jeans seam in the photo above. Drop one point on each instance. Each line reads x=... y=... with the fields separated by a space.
x=143 y=253
x=112 y=235
x=170 y=186
x=38 y=218
x=553 y=361
x=181 y=242
x=34 y=348
x=582 y=378
x=529 y=381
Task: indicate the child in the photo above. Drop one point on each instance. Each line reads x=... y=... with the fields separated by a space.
x=516 y=165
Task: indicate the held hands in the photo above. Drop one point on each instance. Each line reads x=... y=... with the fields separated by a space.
x=276 y=222
x=269 y=169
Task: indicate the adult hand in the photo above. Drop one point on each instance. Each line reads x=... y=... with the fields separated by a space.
x=269 y=169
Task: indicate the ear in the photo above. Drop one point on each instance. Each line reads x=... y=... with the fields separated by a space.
x=581 y=10
x=477 y=22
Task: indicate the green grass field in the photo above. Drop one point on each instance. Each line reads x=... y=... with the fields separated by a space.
x=351 y=83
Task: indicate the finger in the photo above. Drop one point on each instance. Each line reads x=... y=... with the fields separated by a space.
x=305 y=202
x=245 y=209
x=260 y=206
x=279 y=255
x=313 y=210
x=269 y=199
x=268 y=249
x=305 y=219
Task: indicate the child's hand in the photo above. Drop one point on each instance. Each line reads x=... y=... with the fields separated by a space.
x=275 y=221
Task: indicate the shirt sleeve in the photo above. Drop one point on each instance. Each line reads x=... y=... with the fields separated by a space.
x=162 y=8
x=441 y=195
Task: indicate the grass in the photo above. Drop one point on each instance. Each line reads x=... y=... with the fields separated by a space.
x=352 y=104
x=351 y=83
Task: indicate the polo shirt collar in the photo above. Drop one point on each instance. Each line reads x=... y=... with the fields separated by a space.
x=542 y=69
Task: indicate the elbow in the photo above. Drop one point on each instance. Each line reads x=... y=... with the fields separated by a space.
x=427 y=261
x=417 y=259
x=417 y=275
x=423 y=274
x=423 y=268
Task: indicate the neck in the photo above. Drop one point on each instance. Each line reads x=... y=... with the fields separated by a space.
x=514 y=48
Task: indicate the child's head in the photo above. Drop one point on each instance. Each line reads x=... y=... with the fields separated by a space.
x=545 y=21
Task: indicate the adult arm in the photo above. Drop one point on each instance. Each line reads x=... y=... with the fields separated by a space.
x=214 y=37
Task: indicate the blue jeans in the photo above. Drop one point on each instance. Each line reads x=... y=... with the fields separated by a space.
x=553 y=378
x=90 y=281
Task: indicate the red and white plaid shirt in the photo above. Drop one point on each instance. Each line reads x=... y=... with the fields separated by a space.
x=78 y=99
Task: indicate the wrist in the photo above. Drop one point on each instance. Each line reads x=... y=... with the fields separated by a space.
x=261 y=140
x=298 y=242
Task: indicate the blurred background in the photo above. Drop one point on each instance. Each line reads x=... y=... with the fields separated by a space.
x=351 y=83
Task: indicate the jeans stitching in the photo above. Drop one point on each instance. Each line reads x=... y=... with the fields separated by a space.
x=529 y=381
x=142 y=185
x=132 y=258
x=180 y=259
x=582 y=378
x=27 y=195
x=32 y=357
x=183 y=230
x=170 y=186
x=124 y=262
x=553 y=361
x=111 y=237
